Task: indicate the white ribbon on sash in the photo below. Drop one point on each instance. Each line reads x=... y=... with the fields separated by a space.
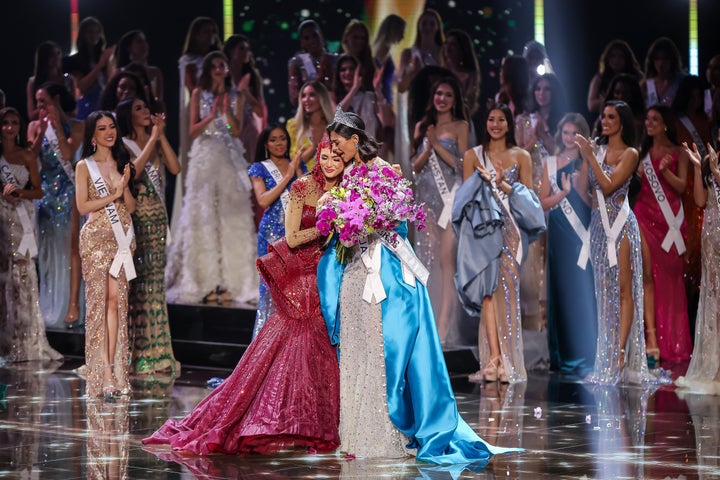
x=446 y=194
x=612 y=232
x=673 y=221
x=570 y=214
x=28 y=244
x=412 y=267
x=309 y=66
x=54 y=143
x=274 y=172
x=373 y=292
x=504 y=198
x=123 y=257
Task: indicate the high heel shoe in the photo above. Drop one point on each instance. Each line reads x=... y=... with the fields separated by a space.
x=502 y=375
x=223 y=296
x=72 y=317
x=490 y=372
x=652 y=354
x=108 y=390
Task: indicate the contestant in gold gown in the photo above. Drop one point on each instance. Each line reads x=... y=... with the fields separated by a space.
x=107 y=352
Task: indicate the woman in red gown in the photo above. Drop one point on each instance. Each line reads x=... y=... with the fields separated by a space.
x=284 y=392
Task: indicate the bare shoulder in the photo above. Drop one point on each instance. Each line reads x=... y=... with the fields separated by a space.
x=519 y=154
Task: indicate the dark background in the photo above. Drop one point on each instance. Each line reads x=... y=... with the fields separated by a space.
x=575 y=31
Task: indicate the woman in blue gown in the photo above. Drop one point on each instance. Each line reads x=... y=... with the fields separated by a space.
x=394 y=342
x=56 y=138
x=272 y=194
x=571 y=312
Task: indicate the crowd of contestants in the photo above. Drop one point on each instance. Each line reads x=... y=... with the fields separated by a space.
x=625 y=272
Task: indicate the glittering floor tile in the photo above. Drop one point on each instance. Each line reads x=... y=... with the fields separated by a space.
x=568 y=429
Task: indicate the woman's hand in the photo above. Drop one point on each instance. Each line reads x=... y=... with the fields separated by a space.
x=713 y=159
x=484 y=173
x=693 y=155
x=10 y=193
x=106 y=55
x=431 y=135
x=566 y=183
x=586 y=146
x=665 y=162
x=158 y=121
x=122 y=182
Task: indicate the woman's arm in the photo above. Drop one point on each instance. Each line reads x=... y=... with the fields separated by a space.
x=82 y=193
x=548 y=199
x=676 y=181
x=293 y=214
x=470 y=161
x=266 y=197
x=35 y=191
x=85 y=82
x=625 y=168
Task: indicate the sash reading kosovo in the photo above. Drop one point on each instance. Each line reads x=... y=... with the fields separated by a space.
x=123 y=257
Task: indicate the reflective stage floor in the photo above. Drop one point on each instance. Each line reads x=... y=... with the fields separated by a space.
x=568 y=430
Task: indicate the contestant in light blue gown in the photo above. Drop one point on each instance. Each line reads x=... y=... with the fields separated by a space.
x=396 y=346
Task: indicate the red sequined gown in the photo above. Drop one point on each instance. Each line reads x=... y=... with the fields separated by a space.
x=284 y=391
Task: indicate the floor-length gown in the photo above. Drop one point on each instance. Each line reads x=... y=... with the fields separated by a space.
x=97 y=251
x=54 y=211
x=21 y=323
x=215 y=229
x=506 y=298
x=571 y=312
x=395 y=392
x=284 y=391
x=428 y=240
x=702 y=374
x=150 y=340
x=270 y=229
x=607 y=368
x=671 y=312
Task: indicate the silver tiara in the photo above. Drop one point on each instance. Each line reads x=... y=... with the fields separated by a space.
x=346 y=119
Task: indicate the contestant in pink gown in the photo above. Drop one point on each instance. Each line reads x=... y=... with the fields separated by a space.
x=669 y=164
x=284 y=392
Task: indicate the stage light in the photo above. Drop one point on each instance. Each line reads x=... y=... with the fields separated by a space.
x=74 y=25
x=228 y=27
x=693 y=37
x=539 y=16
x=540 y=69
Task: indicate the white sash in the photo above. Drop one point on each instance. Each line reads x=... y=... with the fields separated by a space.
x=123 y=257
x=673 y=221
x=652 y=96
x=154 y=175
x=570 y=214
x=309 y=66
x=28 y=245
x=446 y=194
x=274 y=172
x=52 y=139
x=504 y=198
x=708 y=102
x=412 y=267
x=612 y=232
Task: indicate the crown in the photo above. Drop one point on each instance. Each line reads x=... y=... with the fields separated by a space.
x=347 y=119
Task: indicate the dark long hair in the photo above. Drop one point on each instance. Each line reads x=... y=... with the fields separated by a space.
x=627 y=122
x=557 y=100
x=123 y=115
x=21 y=139
x=667 y=46
x=263 y=139
x=365 y=57
x=67 y=100
x=205 y=80
x=190 y=45
x=109 y=98
x=89 y=54
x=632 y=66
x=338 y=88
x=232 y=42
x=122 y=54
x=510 y=136
x=669 y=120
x=44 y=52
x=459 y=112
x=367 y=145
x=118 y=150
x=681 y=102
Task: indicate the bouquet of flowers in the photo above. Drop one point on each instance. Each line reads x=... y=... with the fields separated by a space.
x=369 y=199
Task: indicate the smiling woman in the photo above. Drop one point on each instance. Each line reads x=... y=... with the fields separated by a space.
x=107 y=240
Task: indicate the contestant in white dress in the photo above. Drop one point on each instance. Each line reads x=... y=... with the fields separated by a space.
x=209 y=257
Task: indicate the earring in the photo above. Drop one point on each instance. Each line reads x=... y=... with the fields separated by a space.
x=356 y=145
x=94 y=145
x=17 y=139
x=266 y=152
